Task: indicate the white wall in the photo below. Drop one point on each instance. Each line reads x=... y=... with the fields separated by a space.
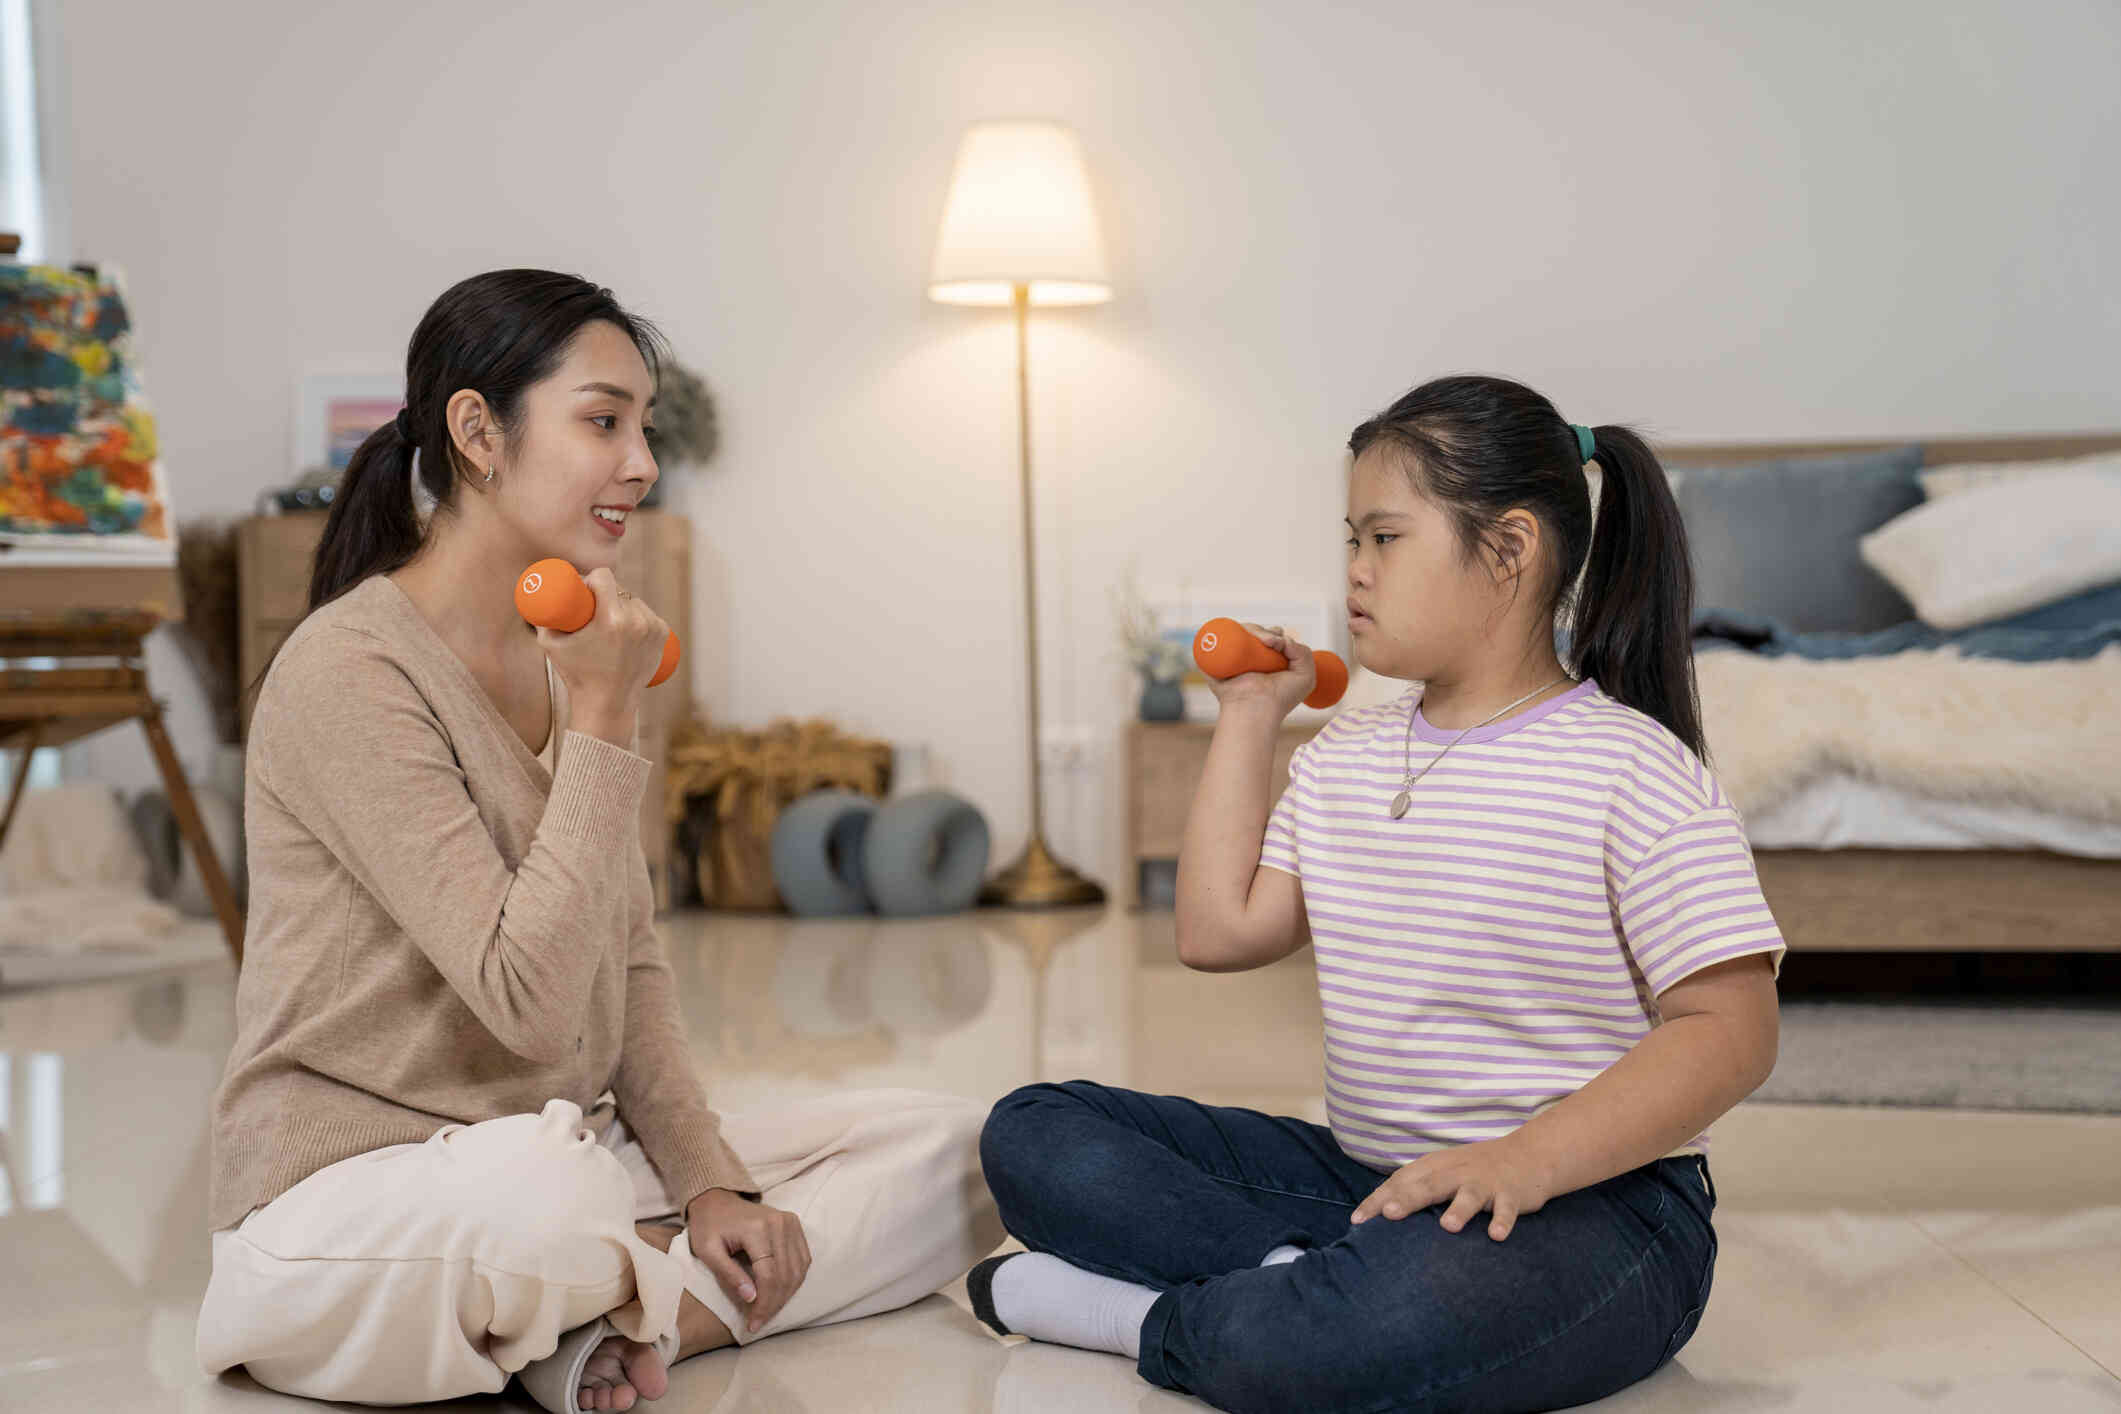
x=1773 y=220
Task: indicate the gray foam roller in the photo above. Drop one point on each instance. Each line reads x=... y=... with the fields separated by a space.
x=817 y=853
x=925 y=853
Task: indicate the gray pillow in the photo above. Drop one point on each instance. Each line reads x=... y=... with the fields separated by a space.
x=1779 y=538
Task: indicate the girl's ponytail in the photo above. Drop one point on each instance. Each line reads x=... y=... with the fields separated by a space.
x=1631 y=626
x=1482 y=446
x=371 y=528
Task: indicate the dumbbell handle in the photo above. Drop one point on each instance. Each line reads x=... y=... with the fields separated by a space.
x=552 y=594
x=1224 y=648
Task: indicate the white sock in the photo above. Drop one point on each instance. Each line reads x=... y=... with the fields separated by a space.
x=1283 y=1253
x=1039 y=1295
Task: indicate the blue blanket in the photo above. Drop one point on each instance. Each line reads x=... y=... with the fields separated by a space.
x=1723 y=629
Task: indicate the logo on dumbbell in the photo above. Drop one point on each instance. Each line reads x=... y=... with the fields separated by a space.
x=1207 y=642
x=532 y=583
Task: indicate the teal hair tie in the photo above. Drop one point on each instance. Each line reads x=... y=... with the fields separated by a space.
x=1585 y=442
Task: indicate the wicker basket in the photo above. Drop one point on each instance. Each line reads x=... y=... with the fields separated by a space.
x=729 y=786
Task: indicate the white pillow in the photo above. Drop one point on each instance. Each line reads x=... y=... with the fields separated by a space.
x=1941 y=481
x=2003 y=548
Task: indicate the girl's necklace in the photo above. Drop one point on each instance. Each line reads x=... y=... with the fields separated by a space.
x=1405 y=797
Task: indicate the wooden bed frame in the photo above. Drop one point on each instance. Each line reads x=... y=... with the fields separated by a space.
x=1883 y=900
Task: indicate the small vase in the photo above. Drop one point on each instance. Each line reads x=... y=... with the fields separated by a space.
x=1163 y=700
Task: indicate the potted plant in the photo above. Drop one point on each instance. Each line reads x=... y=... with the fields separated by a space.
x=1159 y=661
x=687 y=433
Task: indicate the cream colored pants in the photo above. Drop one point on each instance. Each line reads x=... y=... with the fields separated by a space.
x=432 y=1271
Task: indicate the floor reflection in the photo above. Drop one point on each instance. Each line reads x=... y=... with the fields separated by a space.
x=1828 y=1296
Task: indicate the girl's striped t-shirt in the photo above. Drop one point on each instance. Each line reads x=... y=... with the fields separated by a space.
x=1491 y=952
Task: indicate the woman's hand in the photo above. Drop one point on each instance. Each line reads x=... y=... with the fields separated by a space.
x=606 y=663
x=1282 y=690
x=775 y=1256
x=1499 y=1174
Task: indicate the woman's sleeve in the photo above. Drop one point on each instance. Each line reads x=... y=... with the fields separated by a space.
x=658 y=1090
x=1694 y=900
x=349 y=746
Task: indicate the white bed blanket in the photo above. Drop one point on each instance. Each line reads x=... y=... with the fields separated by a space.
x=2043 y=734
x=1839 y=811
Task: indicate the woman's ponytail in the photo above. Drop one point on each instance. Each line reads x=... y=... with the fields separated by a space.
x=1631 y=626
x=371 y=528
x=495 y=334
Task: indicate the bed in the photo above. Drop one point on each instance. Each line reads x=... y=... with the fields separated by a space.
x=1855 y=861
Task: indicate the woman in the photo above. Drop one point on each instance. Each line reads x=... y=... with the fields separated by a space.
x=460 y=1135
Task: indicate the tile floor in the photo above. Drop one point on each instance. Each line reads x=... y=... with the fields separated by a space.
x=1873 y=1260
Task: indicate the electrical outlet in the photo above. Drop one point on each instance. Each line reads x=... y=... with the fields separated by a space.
x=912 y=768
x=1065 y=749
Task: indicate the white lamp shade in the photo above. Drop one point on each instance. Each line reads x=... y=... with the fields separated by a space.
x=1019 y=213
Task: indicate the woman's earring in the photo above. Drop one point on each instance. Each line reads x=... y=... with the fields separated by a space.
x=489 y=474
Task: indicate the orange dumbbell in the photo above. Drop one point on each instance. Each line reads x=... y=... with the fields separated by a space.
x=552 y=594
x=1224 y=648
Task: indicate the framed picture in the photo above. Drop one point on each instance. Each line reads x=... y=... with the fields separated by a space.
x=1316 y=621
x=335 y=412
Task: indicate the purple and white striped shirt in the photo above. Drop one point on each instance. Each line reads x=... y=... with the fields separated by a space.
x=1493 y=951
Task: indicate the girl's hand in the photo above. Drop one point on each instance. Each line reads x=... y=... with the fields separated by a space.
x=775 y=1254
x=1499 y=1174
x=1282 y=690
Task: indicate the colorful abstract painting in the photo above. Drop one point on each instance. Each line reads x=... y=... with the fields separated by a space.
x=79 y=461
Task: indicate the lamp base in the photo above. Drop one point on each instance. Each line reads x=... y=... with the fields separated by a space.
x=1038 y=880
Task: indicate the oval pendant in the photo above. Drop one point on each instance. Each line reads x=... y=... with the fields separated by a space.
x=1399 y=804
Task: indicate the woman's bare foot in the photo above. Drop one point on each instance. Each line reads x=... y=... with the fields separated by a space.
x=699 y=1329
x=621 y=1371
x=618 y=1372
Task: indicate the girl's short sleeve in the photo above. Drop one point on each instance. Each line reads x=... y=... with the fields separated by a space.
x=1694 y=900
x=1278 y=849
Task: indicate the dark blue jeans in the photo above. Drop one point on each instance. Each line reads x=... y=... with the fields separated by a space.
x=1588 y=1295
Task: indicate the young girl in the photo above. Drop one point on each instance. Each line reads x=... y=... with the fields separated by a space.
x=1542 y=951
x=460 y=1076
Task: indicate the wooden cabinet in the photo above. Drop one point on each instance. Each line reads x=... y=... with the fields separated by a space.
x=273 y=559
x=1164 y=765
x=275 y=555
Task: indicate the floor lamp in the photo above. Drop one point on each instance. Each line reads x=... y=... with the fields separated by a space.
x=1018 y=230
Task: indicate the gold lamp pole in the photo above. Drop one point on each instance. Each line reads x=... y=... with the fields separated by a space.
x=1018 y=229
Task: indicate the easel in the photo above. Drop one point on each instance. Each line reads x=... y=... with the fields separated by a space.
x=43 y=615
x=53 y=706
